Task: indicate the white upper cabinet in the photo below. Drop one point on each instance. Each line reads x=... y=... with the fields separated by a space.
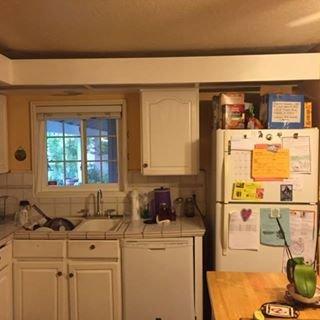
x=170 y=131
x=3 y=135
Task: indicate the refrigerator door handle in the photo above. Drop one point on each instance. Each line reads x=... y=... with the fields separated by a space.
x=225 y=218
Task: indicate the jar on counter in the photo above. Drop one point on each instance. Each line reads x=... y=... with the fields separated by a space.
x=178 y=206
x=22 y=216
x=188 y=208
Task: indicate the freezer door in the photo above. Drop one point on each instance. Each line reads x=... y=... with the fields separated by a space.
x=237 y=164
x=266 y=258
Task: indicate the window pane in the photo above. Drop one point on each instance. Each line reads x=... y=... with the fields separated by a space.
x=104 y=148
x=72 y=127
x=54 y=128
x=73 y=173
x=109 y=172
x=93 y=148
x=108 y=127
x=54 y=149
x=93 y=127
x=55 y=173
x=109 y=148
x=73 y=148
x=94 y=172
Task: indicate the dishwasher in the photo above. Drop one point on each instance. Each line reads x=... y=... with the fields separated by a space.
x=158 y=279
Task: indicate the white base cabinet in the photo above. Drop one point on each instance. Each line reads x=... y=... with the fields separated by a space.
x=6 y=282
x=94 y=290
x=40 y=290
x=170 y=131
x=50 y=283
x=6 y=293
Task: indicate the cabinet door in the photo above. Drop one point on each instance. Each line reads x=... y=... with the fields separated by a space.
x=94 y=291
x=170 y=132
x=39 y=290
x=6 y=293
x=3 y=135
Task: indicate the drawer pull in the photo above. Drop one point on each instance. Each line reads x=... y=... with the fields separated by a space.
x=70 y=275
x=59 y=274
x=92 y=247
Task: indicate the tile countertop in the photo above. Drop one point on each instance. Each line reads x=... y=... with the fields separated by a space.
x=7 y=229
x=182 y=227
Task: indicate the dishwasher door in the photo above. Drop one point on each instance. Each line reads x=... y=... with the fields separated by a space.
x=158 y=279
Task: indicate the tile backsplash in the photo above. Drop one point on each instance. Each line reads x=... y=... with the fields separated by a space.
x=18 y=186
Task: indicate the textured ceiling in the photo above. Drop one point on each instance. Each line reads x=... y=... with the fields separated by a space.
x=131 y=28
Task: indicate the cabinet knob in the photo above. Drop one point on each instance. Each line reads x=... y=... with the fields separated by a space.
x=92 y=247
x=70 y=275
x=145 y=165
x=59 y=273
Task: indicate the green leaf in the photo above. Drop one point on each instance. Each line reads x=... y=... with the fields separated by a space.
x=291 y=263
x=305 y=280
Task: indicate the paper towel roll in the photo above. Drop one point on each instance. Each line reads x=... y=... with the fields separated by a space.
x=135 y=208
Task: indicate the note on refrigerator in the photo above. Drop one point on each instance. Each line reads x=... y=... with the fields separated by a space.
x=270 y=164
x=303 y=239
x=300 y=154
x=241 y=143
x=269 y=229
x=240 y=163
x=244 y=230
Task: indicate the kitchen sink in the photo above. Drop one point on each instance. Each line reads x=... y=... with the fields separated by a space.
x=101 y=225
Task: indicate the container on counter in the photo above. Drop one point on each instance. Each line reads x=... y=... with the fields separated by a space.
x=189 y=209
x=22 y=216
x=178 y=206
x=135 y=206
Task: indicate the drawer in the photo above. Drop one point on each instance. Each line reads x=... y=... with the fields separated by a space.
x=93 y=249
x=39 y=248
x=5 y=255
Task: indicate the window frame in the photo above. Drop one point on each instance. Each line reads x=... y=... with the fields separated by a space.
x=39 y=159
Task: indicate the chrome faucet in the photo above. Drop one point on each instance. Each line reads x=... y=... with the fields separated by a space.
x=99 y=197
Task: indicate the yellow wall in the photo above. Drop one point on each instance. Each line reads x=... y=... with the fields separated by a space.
x=19 y=125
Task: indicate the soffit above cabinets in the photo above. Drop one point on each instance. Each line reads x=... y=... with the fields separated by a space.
x=170 y=71
x=138 y=28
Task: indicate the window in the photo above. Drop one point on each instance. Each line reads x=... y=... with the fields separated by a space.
x=79 y=147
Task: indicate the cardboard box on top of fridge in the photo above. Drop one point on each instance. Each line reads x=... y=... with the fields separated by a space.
x=231 y=98
x=282 y=111
x=308 y=114
x=234 y=116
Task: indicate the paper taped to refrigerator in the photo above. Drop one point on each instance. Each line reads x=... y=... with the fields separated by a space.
x=300 y=154
x=302 y=232
x=269 y=164
x=240 y=162
x=240 y=143
x=244 y=230
x=269 y=230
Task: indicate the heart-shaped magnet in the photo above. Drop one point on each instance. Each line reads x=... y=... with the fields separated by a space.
x=245 y=214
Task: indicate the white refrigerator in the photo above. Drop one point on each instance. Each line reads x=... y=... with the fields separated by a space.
x=293 y=190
